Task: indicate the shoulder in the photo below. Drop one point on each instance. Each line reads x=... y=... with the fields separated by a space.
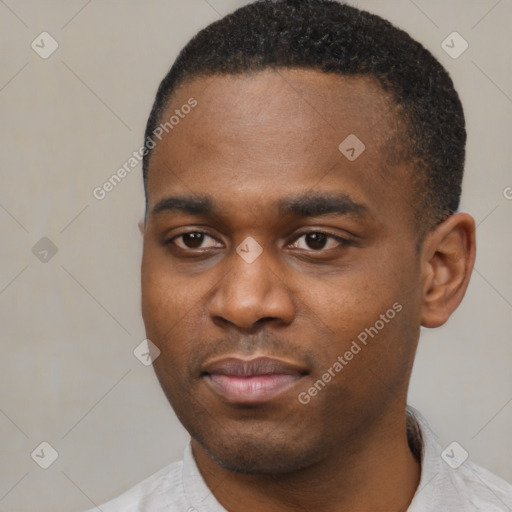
x=178 y=487
x=484 y=490
x=159 y=491
x=451 y=481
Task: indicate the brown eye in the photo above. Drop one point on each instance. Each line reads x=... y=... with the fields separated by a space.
x=316 y=241
x=194 y=240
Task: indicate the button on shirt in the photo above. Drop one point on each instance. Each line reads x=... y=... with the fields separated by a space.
x=449 y=482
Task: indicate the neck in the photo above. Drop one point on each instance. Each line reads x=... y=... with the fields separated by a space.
x=377 y=473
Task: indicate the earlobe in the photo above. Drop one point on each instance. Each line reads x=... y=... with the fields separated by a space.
x=448 y=256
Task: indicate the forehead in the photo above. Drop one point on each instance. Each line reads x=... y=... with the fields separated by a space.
x=274 y=131
x=306 y=103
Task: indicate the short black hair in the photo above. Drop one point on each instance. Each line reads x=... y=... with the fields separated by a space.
x=332 y=37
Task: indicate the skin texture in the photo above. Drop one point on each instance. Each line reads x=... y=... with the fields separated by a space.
x=253 y=140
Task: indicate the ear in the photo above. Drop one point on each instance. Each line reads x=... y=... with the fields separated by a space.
x=141 y=226
x=448 y=256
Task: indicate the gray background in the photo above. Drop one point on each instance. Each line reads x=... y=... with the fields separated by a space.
x=70 y=324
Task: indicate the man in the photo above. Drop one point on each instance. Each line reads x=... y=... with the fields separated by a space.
x=302 y=167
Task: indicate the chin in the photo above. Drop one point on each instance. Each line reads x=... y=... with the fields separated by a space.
x=249 y=455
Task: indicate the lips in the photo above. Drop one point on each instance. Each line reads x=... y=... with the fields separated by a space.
x=251 y=381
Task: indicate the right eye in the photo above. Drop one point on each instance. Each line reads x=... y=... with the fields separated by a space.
x=193 y=240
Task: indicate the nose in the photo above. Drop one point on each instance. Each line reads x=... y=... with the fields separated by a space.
x=250 y=293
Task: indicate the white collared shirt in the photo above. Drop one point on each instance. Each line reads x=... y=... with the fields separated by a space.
x=446 y=485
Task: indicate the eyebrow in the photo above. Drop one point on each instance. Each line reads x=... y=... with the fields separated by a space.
x=306 y=205
x=194 y=205
x=315 y=205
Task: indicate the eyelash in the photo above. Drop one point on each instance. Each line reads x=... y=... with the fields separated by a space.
x=343 y=242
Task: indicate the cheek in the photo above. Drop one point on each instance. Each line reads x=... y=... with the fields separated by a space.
x=365 y=307
x=173 y=309
x=165 y=291
x=349 y=302
x=164 y=312
x=164 y=300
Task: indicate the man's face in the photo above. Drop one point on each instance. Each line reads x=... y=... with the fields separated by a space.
x=338 y=251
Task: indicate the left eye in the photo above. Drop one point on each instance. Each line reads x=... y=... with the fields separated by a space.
x=318 y=241
x=194 y=240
